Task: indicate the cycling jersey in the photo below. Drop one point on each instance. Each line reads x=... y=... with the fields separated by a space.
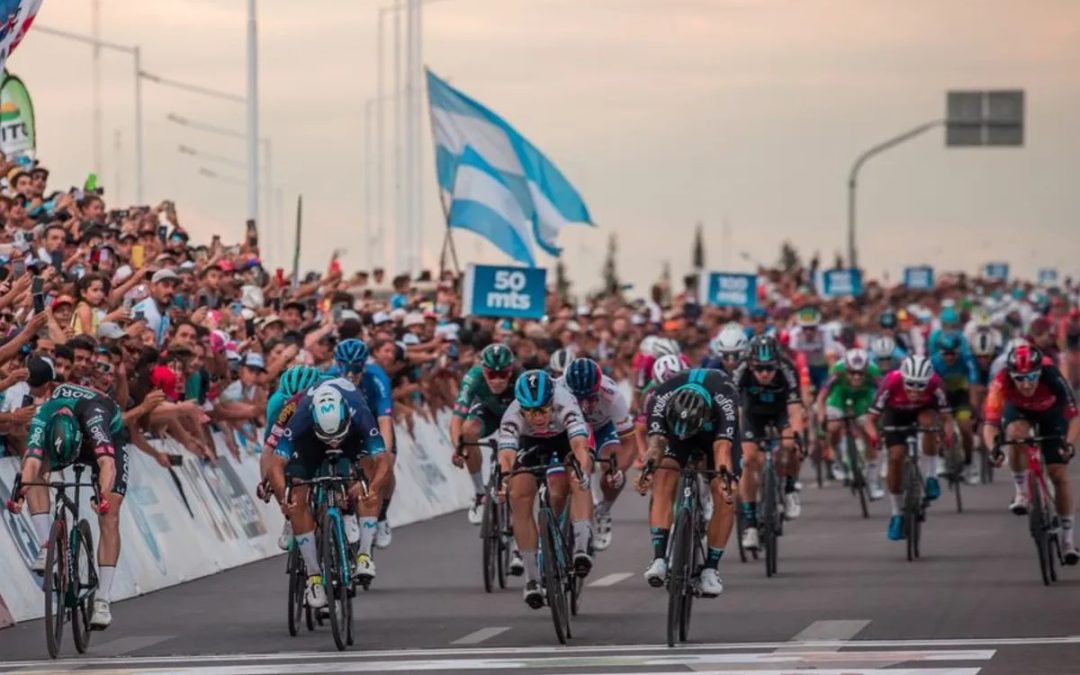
x=768 y=399
x=374 y=385
x=475 y=391
x=102 y=426
x=1069 y=333
x=723 y=424
x=607 y=412
x=294 y=430
x=839 y=391
x=933 y=345
x=958 y=376
x=1052 y=393
x=565 y=418
x=893 y=395
x=814 y=344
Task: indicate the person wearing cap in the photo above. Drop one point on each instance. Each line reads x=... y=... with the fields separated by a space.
x=153 y=309
x=292 y=315
x=270 y=327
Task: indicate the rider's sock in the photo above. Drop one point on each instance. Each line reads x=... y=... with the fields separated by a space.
x=352 y=528
x=582 y=534
x=873 y=471
x=532 y=570
x=306 y=543
x=713 y=558
x=928 y=466
x=384 y=509
x=368 y=526
x=603 y=508
x=789 y=485
x=1067 y=531
x=749 y=510
x=478 y=482
x=659 y=541
x=1020 y=481
x=105 y=576
x=41 y=523
x=897 y=502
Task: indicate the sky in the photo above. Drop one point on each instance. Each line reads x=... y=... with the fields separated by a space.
x=663 y=113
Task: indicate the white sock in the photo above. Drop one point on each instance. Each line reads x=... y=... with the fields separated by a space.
x=352 y=528
x=928 y=466
x=582 y=534
x=306 y=542
x=532 y=569
x=873 y=471
x=105 y=577
x=478 y=482
x=1020 y=481
x=603 y=508
x=368 y=525
x=1067 y=531
x=42 y=522
x=897 y=502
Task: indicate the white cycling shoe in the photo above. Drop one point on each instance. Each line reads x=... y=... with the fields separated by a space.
x=285 y=538
x=476 y=510
x=1019 y=505
x=602 y=536
x=365 y=567
x=839 y=471
x=101 y=617
x=710 y=584
x=517 y=565
x=384 y=535
x=876 y=492
x=38 y=566
x=656 y=574
x=792 y=506
x=315 y=595
x=750 y=539
x=533 y=597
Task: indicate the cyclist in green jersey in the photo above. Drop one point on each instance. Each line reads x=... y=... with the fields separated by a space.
x=484 y=396
x=850 y=390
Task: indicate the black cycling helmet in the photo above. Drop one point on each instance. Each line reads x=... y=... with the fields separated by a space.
x=764 y=350
x=687 y=411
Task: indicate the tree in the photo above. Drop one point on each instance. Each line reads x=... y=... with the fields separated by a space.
x=838 y=262
x=611 y=276
x=789 y=256
x=562 y=283
x=698 y=256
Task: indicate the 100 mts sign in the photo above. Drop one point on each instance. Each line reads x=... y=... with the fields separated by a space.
x=502 y=291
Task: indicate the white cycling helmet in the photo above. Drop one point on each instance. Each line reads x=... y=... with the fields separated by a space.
x=883 y=347
x=330 y=415
x=983 y=343
x=916 y=371
x=730 y=340
x=559 y=361
x=665 y=346
x=856 y=361
x=666 y=366
x=647 y=344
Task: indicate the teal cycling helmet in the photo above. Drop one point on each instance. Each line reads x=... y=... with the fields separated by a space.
x=534 y=389
x=298 y=379
x=351 y=354
x=496 y=356
x=64 y=440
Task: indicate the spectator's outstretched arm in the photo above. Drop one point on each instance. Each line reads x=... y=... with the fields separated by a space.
x=11 y=349
x=140 y=442
x=56 y=331
x=118 y=292
x=21 y=285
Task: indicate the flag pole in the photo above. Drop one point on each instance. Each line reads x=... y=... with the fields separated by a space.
x=296 y=250
x=448 y=237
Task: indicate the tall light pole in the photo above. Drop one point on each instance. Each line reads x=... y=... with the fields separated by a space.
x=95 y=30
x=252 y=114
x=228 y=161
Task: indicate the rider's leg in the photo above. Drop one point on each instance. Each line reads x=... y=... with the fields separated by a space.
x=1016 y=430
x=522 y=495
x=304 y=528
x=753 y=461
x=928 y=463
x=894 y=478
x=721 y=523
x=471 y=432
x=37 y=498
x=661 y=511
x=967 y=434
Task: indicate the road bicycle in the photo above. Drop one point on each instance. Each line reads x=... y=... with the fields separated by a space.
x=496 y=533
x=856 y=466
x=771 y=503
x=914 y=496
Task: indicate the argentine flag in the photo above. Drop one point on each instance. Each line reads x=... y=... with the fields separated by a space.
x=495 y=182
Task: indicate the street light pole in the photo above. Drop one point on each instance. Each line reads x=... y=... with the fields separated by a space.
x=95 y=29
x=252 y=115
x=853 y=178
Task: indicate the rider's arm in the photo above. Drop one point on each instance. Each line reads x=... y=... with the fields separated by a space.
x=509 y=434
x=578 y=431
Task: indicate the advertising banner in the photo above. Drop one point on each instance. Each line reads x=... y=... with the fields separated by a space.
x=17 y=132
x=502 y=291
x=729 y=289
x=839 y=283
x=919 y=278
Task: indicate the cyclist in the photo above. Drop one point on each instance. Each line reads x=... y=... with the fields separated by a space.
x=890 y=327
x=1069 y=342
x=332 y=415
x=79 y=425
x=543 y=427
x=663 y=369
x=483 y=397
x=912 y=395
x=694 y=411
x=949 y=320
x=759 y=323
x=955 y=365
x=809 y=340
x=886 y=354
x=558 y=362
x=726 y=348
x=608 y=414
x=351 y=363
x=852 y=384
x=1033 y=392
x=293 y=381
x=769 y=394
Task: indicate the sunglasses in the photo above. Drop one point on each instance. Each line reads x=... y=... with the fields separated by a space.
x=949 y=355
x=503 y=374
x=764 y=369
x=729 y=357
x=916 y=386
x=1026 y=377
x=104 y=368
x=856 y=373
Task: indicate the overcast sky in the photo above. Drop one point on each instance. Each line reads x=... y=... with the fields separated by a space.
x=662 y=112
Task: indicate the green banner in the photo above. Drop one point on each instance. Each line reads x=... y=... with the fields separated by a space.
x=17 y=134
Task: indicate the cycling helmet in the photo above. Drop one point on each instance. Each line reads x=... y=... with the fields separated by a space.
x=730 y=340
x=534 y=389
x=983 y=343
x=298 y=379
x=856 y=361
x=763 y=349
x=887 y=319
x=665 y=367
x=331 y=415
x=558 y=362
x=949 y=317
x=808 y=317
x=583 y=377
x=1024 y=359
x=665 y=346
x=647 y=344
x=687 y=411
x=64 y=439
x=496 y=356
x=949 y=342
x=351 y=354
x=916 y=371
x=883 y=347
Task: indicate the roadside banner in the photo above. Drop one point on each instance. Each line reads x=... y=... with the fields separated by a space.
x=839 y=283
x=996 y=271
x=18 y=138
x=729 y=289
x=1047 y=276
x=502 y=291
x=919 y=278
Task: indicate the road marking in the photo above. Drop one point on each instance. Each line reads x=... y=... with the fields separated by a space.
x=836 y=632
x=126 y=645
x=481 y=635
x=355 y=667
x=611 y=579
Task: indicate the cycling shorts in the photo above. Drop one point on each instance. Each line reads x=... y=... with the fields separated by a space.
x=700 y=448
x=833 y=413
x=549 y=451
x=901 y=418
x=488 y=418
x=308 y=459
x=818 y=376
x=604 y=436
x=120 y=459
x=1050 y=422
x=960 y=402
x=755 y=427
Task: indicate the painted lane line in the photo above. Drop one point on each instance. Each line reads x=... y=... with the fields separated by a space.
x=476 y=637
x=611 y=579
x=131 y=643
x=832 y=631
x=354 y=667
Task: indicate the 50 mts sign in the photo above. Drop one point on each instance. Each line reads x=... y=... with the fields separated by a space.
x=512 y=292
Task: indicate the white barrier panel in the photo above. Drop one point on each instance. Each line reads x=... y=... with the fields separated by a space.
x=198 y=518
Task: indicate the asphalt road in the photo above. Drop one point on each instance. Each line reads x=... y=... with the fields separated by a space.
x=845 y=601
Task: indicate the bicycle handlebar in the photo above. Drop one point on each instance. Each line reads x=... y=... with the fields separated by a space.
x=912 y=427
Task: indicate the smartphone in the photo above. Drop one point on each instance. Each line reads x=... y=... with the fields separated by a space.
x=39 y=301
x=18 y=268
x=139 y=315
x=279 y=274
x=176 y=460
x=249 y=326
x=37 y=286
x=95 y=257
x=336 y=311
x=203 y=301
x=215 y=241
x=162 y=232
x=277 y=304
x=27 y=400
x=103 y=255
x=137 y=255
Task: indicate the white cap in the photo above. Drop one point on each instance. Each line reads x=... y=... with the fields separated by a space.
x=413 y=319
x=380 y=317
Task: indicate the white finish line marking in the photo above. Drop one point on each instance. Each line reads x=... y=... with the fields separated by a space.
x=832 y=631
x=481 y=635
x=611 y=579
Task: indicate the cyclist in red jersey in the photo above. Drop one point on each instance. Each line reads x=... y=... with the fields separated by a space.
x=1069 y=343
x=914 y=394
x=1032 y=391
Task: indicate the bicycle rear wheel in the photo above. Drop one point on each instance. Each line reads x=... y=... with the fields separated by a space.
x=490 y=549
x=768 y=518
x=297 y=582
x=56 y=583
x=502 y=523
x=740 y=527
x=912 y=509
x=84 y=579
x=858 y=480
x=337 y=596
x=1039 y=526
x=679 y=577
x=554 y=581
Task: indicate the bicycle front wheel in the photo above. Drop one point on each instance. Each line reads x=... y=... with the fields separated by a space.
x=333 y=558
x=83 y=582
x=858 y=479
x=679 y=576
x=502 y=523
x=554 y=581
x=912 y=509
x=1038 y=522
x=489 y=533
x=297 y=582
x=56 y=586
x=770 y=516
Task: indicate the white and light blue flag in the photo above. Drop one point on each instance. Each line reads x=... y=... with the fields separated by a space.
x=469 y=136
x=481 y=201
